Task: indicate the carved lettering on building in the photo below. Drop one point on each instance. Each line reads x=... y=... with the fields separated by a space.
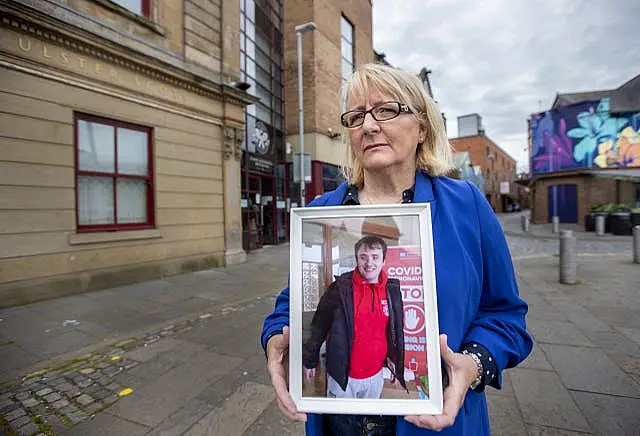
x=45 y=52
x=24 y=44
x=93 y=68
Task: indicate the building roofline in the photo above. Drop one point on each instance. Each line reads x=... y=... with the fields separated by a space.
x=491 y=140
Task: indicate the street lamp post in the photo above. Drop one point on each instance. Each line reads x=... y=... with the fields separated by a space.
x=302 y=28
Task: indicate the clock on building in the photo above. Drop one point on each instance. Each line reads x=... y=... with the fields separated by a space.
x=261 y=138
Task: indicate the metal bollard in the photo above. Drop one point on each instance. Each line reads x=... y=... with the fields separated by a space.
x=567 y=257
x=636 y=244
x=600 y=225
x=555 y=224
x=525 y=223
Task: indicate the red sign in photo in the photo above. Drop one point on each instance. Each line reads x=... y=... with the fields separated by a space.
x=405 y=264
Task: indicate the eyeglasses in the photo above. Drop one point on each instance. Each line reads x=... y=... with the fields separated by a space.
x=381 y=112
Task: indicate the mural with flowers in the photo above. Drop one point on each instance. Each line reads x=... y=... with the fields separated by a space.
x=584 y=135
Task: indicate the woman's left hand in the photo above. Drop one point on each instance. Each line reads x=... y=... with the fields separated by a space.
x=462 y=371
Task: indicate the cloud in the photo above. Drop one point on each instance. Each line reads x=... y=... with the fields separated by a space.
x=506 y=59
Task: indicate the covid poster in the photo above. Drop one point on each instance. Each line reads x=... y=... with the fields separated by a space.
x=405 y=264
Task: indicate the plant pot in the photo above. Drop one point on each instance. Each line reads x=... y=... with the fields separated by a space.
x=620 y=223
x=590 y=222
x=634 y=219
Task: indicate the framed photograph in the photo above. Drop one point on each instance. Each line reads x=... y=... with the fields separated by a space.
x=364 y=321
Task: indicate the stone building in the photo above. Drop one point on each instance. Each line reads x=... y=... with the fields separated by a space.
x=122 y=132
x=496 y=165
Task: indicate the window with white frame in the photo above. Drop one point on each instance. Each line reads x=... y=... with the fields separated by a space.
x=114 y=175
x=346 y=48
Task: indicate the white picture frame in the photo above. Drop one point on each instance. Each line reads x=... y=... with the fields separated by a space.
x=407 y=232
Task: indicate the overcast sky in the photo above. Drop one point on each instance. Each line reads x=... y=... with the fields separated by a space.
x=505 y=59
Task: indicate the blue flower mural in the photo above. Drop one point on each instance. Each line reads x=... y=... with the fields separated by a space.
x=583 y=135
x=596 y=127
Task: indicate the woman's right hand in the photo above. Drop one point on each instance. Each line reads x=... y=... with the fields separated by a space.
x=277 y=365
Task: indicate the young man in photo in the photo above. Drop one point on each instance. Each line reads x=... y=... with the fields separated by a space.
x=361 y=318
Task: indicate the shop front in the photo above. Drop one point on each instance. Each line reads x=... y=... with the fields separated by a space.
x=265 y=200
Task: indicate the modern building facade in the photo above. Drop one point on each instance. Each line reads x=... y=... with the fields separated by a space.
x=122 y=130
x=585 y=151
x=341 y=41
x=265 y=188
x=497 y=166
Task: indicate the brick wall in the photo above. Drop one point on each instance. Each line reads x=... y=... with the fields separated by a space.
x=499 y=169
x=321 y=59
x=591 y=191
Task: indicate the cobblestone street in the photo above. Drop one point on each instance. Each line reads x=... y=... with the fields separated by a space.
x=182 y=355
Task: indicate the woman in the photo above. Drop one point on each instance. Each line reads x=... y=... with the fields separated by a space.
x=398 y=152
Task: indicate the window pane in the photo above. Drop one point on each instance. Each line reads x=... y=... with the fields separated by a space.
x=95 y=200
x=347 y=51
x=131 y=196
x=347 y=70
x=263 y=114
x=263 y=94
x=132 y=152
x=263 y=78
x=250 y=10
x=251 y=110
x=251 y=69
x=262 y=41
x=346 y=29
x=263 y=60
x=95 y=147
x=134 y=6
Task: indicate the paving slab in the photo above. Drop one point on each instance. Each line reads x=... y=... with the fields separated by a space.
x=590 y=370
x=23 y=323
x=554 y=332
x=613 y=341
x=540 y=430
x=252 y=369
x=610 y=415
x=631 y=333
x=272 y=422
x=236 y=414
x=148 y=352
x=182 y=419
x=14 y=357
x=544 y=401
x=155 y=402
x=617 y=316
x=581 y=317
x=52 y=345
x=145 y=373
x=105 y=424
x=536 y=360
x=504 y=416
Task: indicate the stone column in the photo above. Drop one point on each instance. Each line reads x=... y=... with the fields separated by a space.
x=232 y=154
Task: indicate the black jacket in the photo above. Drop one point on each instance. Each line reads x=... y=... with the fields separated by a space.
x=333 y=321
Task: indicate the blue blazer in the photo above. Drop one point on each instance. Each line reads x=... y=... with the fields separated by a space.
x=476 y=289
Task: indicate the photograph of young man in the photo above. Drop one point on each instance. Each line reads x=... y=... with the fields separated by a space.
x=361 y=318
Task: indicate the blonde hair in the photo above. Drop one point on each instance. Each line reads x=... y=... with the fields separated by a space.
x=434 y=155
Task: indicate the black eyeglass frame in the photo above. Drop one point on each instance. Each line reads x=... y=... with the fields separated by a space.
x=402 y=108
